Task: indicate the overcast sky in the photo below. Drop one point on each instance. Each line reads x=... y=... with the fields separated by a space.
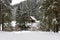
x=16 y=1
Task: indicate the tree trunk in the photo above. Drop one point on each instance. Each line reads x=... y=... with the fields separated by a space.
x=56 y=28
x=56 y=14
x=2 y=22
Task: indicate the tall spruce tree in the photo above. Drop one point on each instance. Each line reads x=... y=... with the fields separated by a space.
x=5 y=13
x=51 y=8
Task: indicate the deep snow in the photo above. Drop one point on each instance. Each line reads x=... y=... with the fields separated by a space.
x=29 y=35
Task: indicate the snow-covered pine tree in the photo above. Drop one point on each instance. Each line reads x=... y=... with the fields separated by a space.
x=51 y=8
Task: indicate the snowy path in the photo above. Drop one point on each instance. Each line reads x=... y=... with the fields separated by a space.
x=29 y=36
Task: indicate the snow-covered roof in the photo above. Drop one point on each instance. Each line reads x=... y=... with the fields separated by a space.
x=33 y=18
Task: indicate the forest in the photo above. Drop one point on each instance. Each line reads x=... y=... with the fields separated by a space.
x=44 y=15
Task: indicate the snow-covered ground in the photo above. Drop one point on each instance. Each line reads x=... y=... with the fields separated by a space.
x=29 y=35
